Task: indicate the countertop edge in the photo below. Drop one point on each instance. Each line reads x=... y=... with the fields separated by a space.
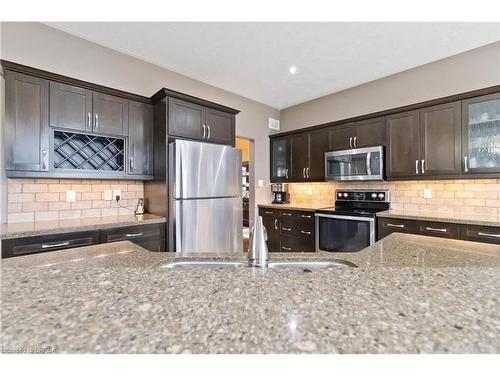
x=408 y=216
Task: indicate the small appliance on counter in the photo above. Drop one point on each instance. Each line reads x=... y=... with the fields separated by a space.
x=140 y=207
x=280 y=193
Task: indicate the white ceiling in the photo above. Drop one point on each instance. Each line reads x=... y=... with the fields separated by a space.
x=252 y=59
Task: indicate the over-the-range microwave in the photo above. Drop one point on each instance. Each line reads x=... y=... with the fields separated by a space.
x=358 y=164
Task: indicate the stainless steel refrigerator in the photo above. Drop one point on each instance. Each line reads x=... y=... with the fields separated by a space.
x=206 y=211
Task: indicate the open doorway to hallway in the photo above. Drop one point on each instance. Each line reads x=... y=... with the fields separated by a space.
x=248 y=190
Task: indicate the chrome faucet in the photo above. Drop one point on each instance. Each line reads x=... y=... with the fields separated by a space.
x=258 y=254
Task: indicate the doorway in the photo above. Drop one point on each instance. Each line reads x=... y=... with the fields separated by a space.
x=247 y=188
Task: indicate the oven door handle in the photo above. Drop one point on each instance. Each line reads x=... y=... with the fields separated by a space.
x=344 y=217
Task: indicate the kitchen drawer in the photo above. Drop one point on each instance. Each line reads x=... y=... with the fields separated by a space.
x=438 y=229
x=149 y=236
x=297 y=243
x=298 y=220
x=387 y=226
x=39 y=244
x=480 y=233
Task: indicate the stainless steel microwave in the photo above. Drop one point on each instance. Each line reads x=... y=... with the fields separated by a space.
x=357 y=164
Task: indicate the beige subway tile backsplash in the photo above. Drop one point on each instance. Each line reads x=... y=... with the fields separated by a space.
x=460 y=196
x=45 y=199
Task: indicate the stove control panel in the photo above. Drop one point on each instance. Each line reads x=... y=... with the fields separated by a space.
x=362 y=195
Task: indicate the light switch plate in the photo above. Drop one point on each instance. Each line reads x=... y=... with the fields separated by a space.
x=309 y=191
x=108 y=195
x=70 y=196
x=427 y=193
x=260 y=183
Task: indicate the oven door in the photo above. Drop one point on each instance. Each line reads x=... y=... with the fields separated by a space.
x=339 y=233
x=355 y=164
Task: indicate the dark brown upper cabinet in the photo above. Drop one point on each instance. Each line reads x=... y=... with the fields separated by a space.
x=369 y=133
x=318 y=145
x=280 y=159
x=140 y=138
x=403 y=145
x=77 y=108
x=300 y=156
x=190 y=120
x=70 y=107
x=341 y=137
x=440 y=140
x=481 y=134
x=110 y=114
x=26 y=123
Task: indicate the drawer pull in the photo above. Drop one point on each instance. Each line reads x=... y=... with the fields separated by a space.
x=395 y=225
x=268 y=212
x=286 y=248
x=436 y=229
x=488 y=234
x=276 y=224
x=131 y=235
x=65 y=243
x=286 y=214
x=306 y=216
x=287 y=229
x=304 y=232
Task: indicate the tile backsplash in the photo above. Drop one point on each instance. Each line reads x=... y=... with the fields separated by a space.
x=45 y=199
x=460 y=196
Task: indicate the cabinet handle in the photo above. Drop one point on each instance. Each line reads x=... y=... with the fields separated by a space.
x=131 y=164
x=466 y=167
x=355 y=142
x=416 y=166
x=89 y=118
x=395 y=225
x=286 y=229
x=286 y=248
x=268 y=212
x=488 y=234
x=286 y=214
x=307 y=172
x=204 y=130
x=286 y=172
x=306 y=216
x=423 y=169
x=208 y=133
x=350 y=142
x=45 y=163
x=131 y=235
x=304 y=232
x=97 y=121
x=304 y=172
x=44 y=246
x=436 y=229
x=276 y=224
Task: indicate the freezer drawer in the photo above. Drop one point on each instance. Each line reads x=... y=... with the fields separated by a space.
x=207 y=226
x=204 y=170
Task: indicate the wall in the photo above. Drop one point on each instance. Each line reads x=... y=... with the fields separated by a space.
x=3 y=177
x=471 y=70
x=480 y=197
x=45 y=48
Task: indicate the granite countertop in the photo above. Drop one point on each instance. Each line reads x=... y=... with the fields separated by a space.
x=293 y=206
x=443 y=217
x=38 y=228
x=410 y=294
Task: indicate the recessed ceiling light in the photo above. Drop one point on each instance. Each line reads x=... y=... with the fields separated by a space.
x=292 y=69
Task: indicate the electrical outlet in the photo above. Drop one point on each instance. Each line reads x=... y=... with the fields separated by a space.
x=70 y=196
x=108 y=195
x=117 y=193
x=309 y=191
x=427 y=193
x=260 y=183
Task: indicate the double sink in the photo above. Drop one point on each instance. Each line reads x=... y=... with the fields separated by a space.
x=282 y=264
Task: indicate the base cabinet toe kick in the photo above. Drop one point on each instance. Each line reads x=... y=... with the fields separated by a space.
x=149 y=236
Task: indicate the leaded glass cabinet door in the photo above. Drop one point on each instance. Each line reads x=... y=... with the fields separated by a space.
x=481 y=134
x=280 y=159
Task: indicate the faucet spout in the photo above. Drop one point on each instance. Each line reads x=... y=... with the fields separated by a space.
x=258 y=254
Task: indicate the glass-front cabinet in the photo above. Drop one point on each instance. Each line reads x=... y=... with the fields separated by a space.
x=280 y=159
x=481 y=134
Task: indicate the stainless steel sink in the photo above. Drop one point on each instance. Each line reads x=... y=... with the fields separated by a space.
x=205 y=264
x=284 y=264
x=307 y=264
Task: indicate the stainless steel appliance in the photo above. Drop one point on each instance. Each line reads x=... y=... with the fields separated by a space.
x=206 y=213
x=351 y=224
x=280 y=193
x=356 y=164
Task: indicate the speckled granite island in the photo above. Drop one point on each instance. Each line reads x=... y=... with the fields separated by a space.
x=410 y=294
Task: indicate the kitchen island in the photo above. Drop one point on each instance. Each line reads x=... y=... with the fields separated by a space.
x=409 y=294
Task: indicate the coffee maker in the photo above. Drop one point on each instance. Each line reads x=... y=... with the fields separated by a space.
x=280 y=193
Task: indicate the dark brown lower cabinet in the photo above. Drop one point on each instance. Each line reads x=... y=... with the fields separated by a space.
x=149 y=236
x=477 y=233
x=289 y=230
x=39 y=244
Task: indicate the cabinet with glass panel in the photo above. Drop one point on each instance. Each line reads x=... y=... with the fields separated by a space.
x=481 y=134
x=280 y=158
